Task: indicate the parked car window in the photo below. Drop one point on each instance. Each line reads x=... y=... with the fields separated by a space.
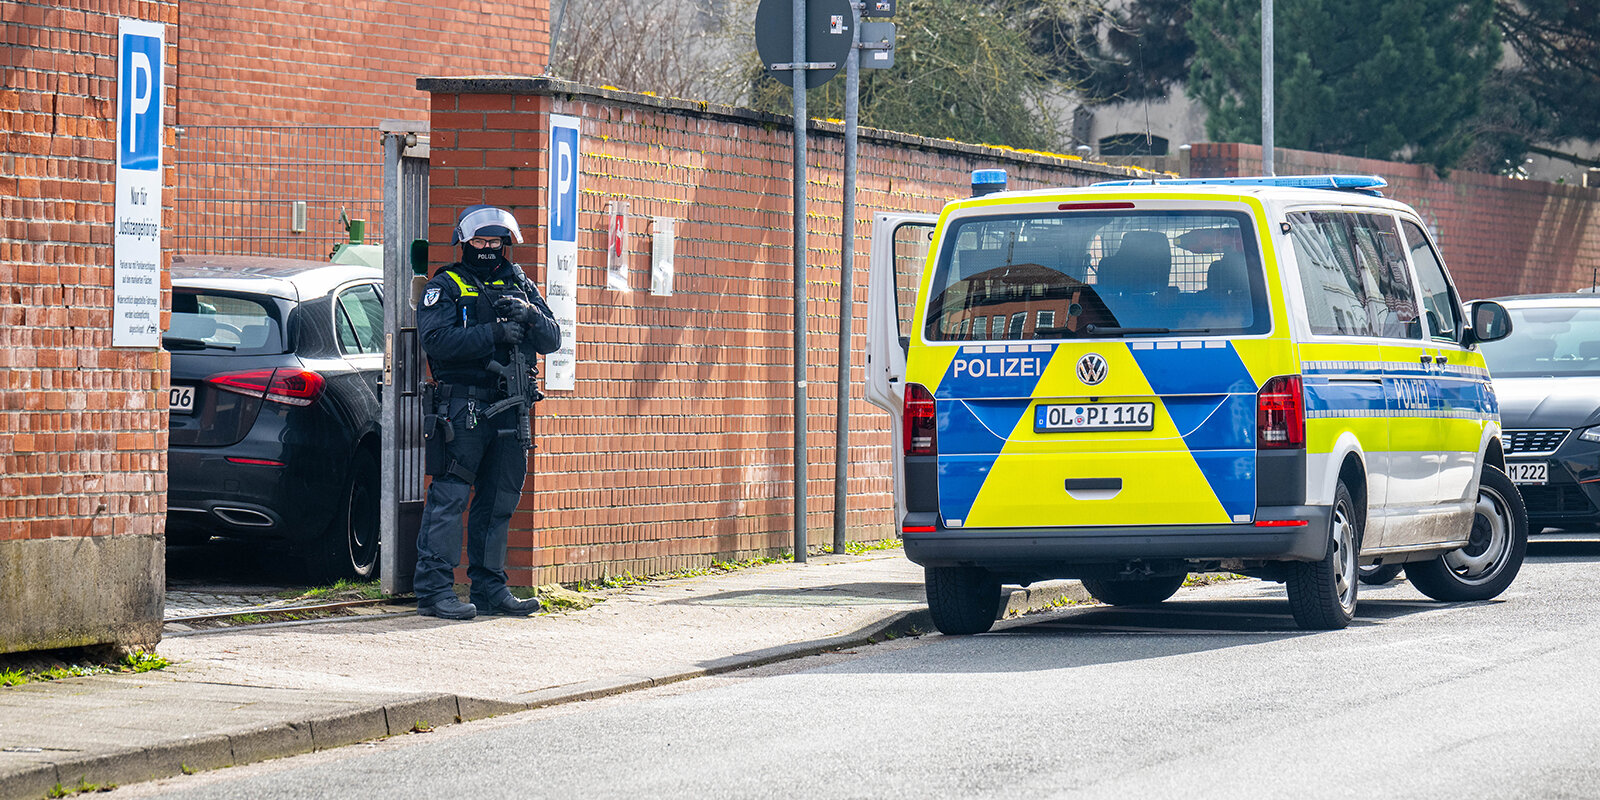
x=358 y=315
x=1553 y=340
x=231 y=323
x=1438 y=300
x=1353 y=271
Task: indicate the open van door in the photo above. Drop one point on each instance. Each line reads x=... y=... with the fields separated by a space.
x=899 y=251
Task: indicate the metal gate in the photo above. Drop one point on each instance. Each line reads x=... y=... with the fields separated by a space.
x=275 y=190
x=405 y=270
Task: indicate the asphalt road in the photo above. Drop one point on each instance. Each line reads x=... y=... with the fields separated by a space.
x=1213 y=694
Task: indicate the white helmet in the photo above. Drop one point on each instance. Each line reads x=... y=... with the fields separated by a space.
x=476 y=221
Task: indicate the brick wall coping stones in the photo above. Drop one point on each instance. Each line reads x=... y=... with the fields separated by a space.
x=551 y=87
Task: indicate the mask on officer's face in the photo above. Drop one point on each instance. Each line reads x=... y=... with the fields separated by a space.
x=483 y=260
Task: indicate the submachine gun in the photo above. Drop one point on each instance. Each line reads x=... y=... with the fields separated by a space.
x=520 y=382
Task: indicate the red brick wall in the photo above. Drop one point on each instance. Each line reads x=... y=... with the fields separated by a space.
x=302 y=62
x=1499 y=236
x=83 y=427
x=676 y=445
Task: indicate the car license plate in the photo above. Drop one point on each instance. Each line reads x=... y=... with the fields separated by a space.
x=1094 y=417
x=1531 y=472
x=180 y=398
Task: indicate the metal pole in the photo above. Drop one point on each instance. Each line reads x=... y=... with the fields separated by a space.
x=555 y=36
x=847 y=270
x=801 y=122
x=1266 y=89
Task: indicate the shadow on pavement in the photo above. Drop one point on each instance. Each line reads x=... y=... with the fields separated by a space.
x=223 y=565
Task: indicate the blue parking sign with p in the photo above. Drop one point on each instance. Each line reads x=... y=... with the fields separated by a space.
x=139 y=103
x=564 y=184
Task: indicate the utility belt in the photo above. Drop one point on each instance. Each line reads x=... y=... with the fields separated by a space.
x=443 y=393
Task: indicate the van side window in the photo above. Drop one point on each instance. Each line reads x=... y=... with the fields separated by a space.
x=1438 y=299
x=1353 y=270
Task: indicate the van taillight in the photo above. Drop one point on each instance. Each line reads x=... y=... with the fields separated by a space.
x=1280 y=414
x=919 y=422
x=295 y=387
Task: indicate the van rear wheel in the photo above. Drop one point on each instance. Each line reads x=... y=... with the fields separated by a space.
x=1380 y=574
x=1134 y=591
x=1494 y=552
x=962 y=600
x=1322 y=594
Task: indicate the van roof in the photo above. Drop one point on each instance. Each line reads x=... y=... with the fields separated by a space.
x=1221 y=188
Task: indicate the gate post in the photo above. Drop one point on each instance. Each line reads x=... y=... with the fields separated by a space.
x=405 y=219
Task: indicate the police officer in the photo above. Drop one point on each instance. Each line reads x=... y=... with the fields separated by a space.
x=471 y=312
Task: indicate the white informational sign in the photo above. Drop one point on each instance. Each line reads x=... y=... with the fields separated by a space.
x=663 y=241
x=617 y=246
x=561 y=244
x=136 y=240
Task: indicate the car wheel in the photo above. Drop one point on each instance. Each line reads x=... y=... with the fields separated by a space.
x=1322 y=594
x=1380 y=574
x=1494 y=551
x=1134 y=591
x=962 y=600
x=349 y=547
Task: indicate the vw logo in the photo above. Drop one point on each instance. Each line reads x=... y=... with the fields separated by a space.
x=1092 y=369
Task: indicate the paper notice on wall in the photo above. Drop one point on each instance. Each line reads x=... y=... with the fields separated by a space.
x=663 y=240
x=136 y=234
x=617 y=246
x=561 y=244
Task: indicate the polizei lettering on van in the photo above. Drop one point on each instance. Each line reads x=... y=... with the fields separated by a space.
x=1001 y=367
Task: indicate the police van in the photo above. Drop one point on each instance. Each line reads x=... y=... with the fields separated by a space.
x=1134 y=381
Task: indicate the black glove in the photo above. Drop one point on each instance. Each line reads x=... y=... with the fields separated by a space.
x=509 y=332
x=515 y=308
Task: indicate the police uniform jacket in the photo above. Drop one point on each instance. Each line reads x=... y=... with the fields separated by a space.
x=456 y=320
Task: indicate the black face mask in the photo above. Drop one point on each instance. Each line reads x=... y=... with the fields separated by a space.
x=483 y=260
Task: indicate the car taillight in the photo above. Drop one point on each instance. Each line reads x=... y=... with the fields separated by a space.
x=1280 y=414
x=289 y=385
x=919 y=422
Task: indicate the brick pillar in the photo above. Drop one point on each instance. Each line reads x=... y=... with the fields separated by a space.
x=83 y=426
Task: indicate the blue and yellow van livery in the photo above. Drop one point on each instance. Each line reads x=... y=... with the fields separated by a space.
x=1126 y=383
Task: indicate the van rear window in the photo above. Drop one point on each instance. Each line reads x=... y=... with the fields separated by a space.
x=223 y=322
x=1086 y=275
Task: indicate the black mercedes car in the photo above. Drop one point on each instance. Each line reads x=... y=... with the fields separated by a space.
x=1547 y=377
x=274 y=407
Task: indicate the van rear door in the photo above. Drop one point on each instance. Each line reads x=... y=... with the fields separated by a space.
x=899 y=250
x=1090 y=368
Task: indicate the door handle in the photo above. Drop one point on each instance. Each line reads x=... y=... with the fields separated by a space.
x=1427 y=359
x=1440 y=360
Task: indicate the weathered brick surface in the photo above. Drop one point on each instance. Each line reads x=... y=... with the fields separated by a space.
x=1499 y=236
x=347 y=63
x=676 y=446
x=83 y=427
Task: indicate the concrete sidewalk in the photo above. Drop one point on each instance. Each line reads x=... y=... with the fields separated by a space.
x=246 y=694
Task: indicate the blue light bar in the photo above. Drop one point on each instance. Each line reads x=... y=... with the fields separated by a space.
x=988 y=181
x=1365 y=184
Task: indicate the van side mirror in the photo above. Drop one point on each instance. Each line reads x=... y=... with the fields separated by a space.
x=1490 y=322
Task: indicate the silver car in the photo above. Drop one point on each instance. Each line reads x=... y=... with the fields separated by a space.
x=1547 y=377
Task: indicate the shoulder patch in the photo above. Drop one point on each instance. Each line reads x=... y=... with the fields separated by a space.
x=431 y=296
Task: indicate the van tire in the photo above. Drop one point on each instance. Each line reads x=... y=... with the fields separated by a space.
x=1134 y=591
x=1490 y=561
x=1322 y=594
x=962 y=600
x=1380 y=574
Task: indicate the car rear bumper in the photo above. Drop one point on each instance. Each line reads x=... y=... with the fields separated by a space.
x=291 y=502
x=1061 y=552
